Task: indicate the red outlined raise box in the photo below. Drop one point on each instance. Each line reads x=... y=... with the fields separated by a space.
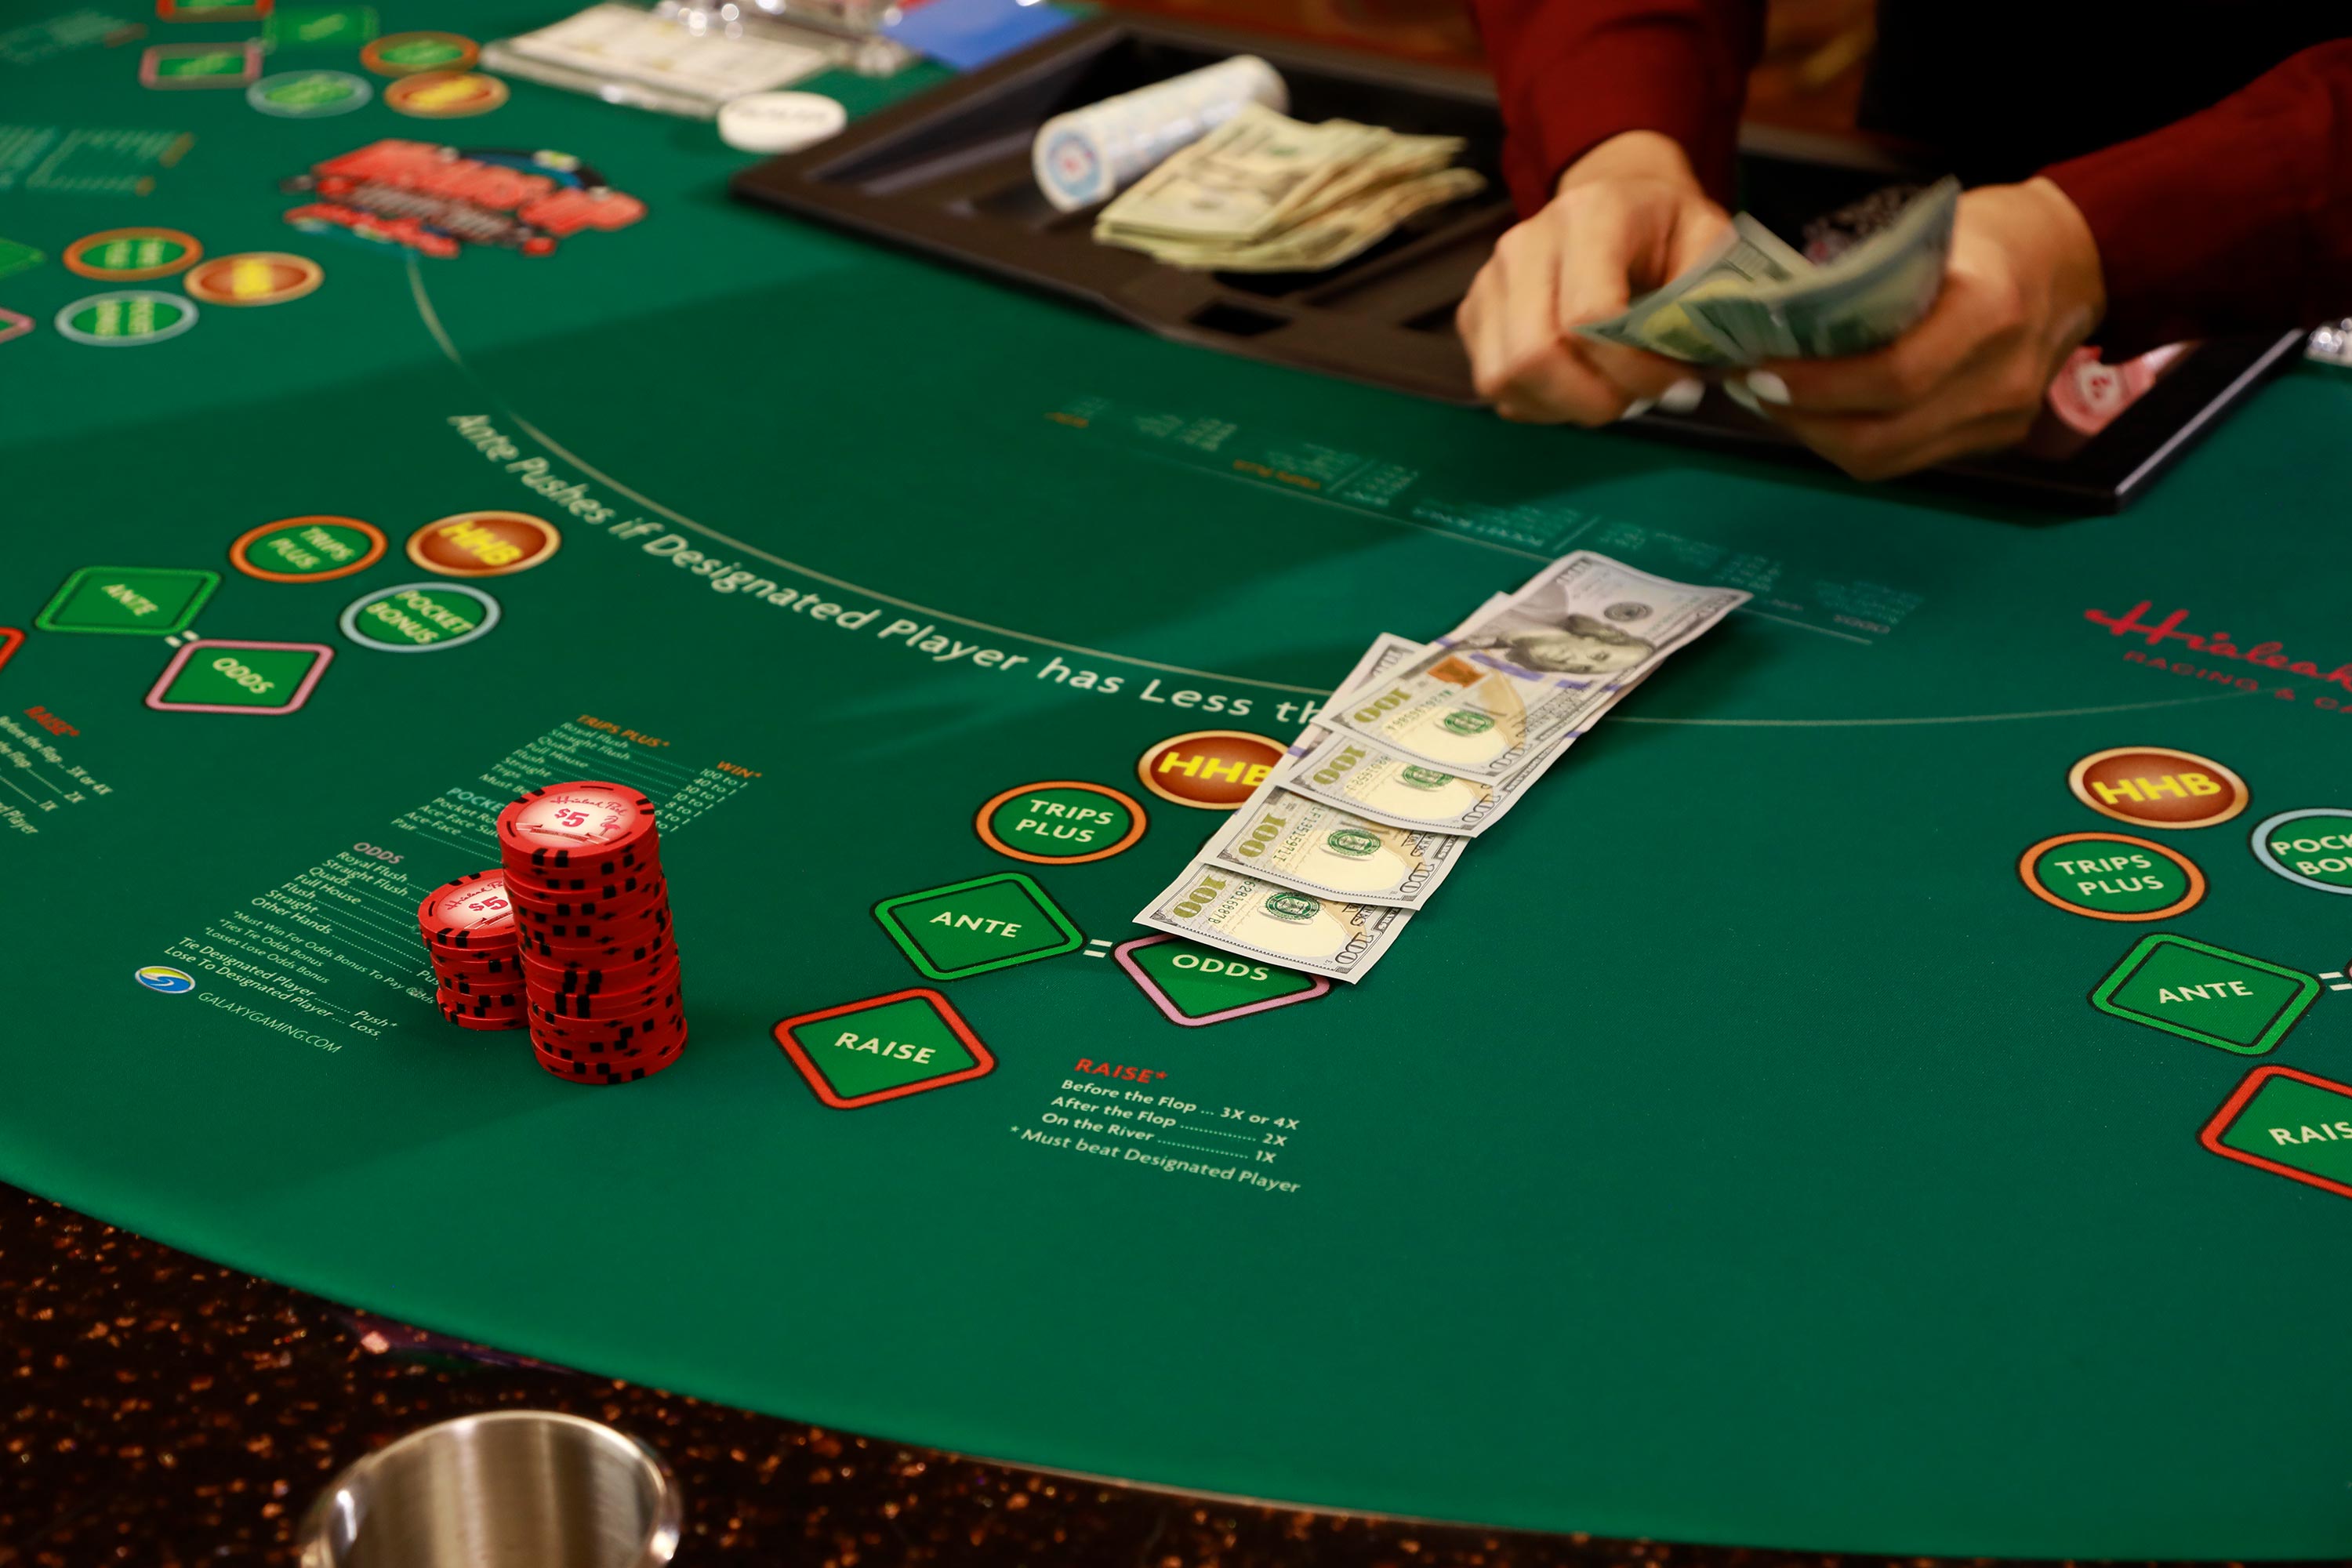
x=2237 y=1102
x=155 y=699
x=11 y=639
x=983 y=1060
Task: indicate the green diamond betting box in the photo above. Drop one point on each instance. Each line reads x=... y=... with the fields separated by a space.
x=130 y=601
x=2206 y=993
x=970 y=928
x=320 y=27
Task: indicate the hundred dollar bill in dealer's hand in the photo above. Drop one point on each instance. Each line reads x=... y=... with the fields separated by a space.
x=1671 y=321
x=1751 y=297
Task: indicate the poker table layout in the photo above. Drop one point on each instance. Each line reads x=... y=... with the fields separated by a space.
x=1889 y=1088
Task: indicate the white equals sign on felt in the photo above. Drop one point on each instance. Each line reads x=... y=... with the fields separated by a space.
x=2336 y=982
x=1100 y=948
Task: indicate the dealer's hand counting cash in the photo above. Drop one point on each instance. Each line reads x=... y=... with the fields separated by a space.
x=1752 y=298
x=1422 y=748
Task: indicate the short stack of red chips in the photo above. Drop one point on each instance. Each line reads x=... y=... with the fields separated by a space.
x=592 y=932
x=469 y=929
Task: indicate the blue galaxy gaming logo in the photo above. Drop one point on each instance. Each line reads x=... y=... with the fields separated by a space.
x=169 y=981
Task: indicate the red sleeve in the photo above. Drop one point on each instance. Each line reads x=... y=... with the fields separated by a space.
x=2236 y=218
x=1574 y=73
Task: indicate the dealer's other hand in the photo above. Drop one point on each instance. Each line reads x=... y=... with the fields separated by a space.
x=1625 y=218
x=2021 y=291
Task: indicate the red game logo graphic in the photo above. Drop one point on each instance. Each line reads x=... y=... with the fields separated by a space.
x=436 y=199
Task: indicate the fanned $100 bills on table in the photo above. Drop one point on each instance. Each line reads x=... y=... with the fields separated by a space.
x=1422 y=749
x=1485 y=699
x=1395 y=788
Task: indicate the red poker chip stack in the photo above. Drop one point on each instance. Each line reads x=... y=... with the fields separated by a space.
x=599 y=967
x=469 y=930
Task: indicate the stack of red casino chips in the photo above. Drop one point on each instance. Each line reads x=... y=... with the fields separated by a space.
x=591 y=919
x=469 y=930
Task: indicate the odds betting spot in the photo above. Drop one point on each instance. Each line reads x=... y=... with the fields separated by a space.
x=1196 y=986
x=223 y=675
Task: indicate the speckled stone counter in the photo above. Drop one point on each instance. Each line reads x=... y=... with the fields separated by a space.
x=161 y=1411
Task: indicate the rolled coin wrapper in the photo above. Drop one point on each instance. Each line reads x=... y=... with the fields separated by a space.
x=1090 y=155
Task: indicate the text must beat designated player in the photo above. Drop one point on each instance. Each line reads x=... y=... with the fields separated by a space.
x=2146 y=173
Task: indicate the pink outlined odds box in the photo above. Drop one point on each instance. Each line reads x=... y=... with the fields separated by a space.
x=158 y=697
x=1317 y=986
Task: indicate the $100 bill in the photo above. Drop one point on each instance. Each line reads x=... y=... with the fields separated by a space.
x=1488 y=698
x=1219 y=908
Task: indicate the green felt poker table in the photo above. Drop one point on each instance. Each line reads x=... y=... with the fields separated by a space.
x=1885 y=1090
